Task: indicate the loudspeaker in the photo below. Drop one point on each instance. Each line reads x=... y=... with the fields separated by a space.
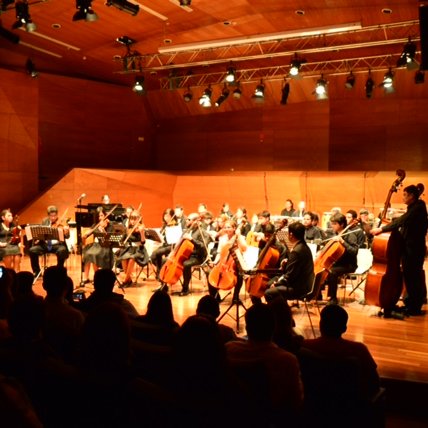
x=423 y=28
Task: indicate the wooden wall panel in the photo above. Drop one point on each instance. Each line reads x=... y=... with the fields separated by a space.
x=19 y=99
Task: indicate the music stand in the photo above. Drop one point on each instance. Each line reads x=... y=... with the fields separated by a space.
x=237 y=302
x=43 y=233
x=153 y=235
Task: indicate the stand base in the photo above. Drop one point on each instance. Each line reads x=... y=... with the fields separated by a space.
x=236 y=301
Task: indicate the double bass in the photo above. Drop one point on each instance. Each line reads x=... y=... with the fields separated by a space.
x=268 y=259
x=384 y=282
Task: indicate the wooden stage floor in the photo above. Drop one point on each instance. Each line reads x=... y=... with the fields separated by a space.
x=400 y=347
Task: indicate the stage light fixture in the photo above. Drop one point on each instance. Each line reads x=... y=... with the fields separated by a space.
x=370 y=85
x=407 y=58
x=231 y=74
x=321 y=88
x=237 y=92
x=84 y=11
x=296 y=64
x=124 y=5
x=419 y=77
x=185 y=2
x=388 y=81
x=139 y=85
x=205 y=100
x=350 y=81
x=259 y=92
x=188 y=95
x=285 y=93
x=23 y=17
x=31 y=68
x=224 y=94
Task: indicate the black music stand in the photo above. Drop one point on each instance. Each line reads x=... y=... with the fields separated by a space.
x=112 y=240
x=237 y=302
x=153 y=235
x=43 y=233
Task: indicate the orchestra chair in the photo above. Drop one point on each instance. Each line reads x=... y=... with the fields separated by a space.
x=311 y=296
x=357 y=278
x=201 y=271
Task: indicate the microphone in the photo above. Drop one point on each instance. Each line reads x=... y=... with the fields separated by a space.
x=82 y=196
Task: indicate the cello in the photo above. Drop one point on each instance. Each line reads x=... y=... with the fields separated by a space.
x=223 y=274
x=172 y=269
x=384 y=281
x=268 y=259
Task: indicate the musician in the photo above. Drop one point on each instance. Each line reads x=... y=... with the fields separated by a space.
x=312 y=232
x=298 y=276
x=179 y=216
x=97 y=254
x=133 y=250
x=412 y=226
x=366 y=225
x=351 y=217
x=347 y=263
x=200 y=239
x=230 y=236
x=10 y=241
x=160 y=254
x=289 y=210
x=127 y=214
x=225 y=209
x=241 y=220
x=52 y=246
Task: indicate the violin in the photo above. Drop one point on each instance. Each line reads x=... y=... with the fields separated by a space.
x=16 y=232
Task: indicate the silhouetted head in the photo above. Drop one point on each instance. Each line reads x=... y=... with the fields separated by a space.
x=208 y=305
x=333 y=321
x=104 y=280
x=260 y=322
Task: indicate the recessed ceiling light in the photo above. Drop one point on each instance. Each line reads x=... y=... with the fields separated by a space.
x=386 y=10
x=56 y=26
x=117 y=57
x=227 y=23
x=167 y=41
x=300 y=12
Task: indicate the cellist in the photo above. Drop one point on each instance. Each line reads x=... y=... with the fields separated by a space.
x=347 y=263
x=413 y=225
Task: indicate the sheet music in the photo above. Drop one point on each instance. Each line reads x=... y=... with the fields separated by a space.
x=173 y=234
x=250 y=257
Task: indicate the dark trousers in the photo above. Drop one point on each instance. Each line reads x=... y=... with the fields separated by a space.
x=333 y=278
x=187 y=271
x=35 y=251
x=158 y=257
x=413 y=278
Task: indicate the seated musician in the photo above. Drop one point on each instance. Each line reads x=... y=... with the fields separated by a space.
x=179 y=216
x=298 y=276
x=312 y=233
x=289 y=210
x=347 y=263
x=241 y=220
x=159 y=255
x=351 y=216
x=10 y=241
x=52 y=246
x=97 y=254
x=366 y=225
x=134 y=250
x=230 y=236
x=200 y=239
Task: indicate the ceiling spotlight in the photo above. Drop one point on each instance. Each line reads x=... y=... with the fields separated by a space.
x=84 y=11
x=231 y=75
x=185 y=2
x=419 y=77
x=124 y=5
x=125 y=40
x=388 y=81
x=259 y=92
x=139 y=85
x=370 y=85
x=321 y=88
x=23 y=17
x=205 y=100
x=407 y=58
x=350 y=81
x=237 y=92
x=188 y=95
x=296 y=64
x=224 y=94
x=31 y=68
x=285 y=93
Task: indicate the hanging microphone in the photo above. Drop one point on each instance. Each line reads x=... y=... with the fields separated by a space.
x=82 y=196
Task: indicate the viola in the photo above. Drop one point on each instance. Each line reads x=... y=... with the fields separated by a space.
x=384 y=282
x=223 y=274
x=268 y=260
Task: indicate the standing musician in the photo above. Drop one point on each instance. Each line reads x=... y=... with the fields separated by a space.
x=412 y=226
x=200 y=239
x=159 y=255
x=10 y=241
x=97 y=254
x=134 y=250
x=298 y=276
x=347 y=263
x=230 y=238
x=53 y=246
